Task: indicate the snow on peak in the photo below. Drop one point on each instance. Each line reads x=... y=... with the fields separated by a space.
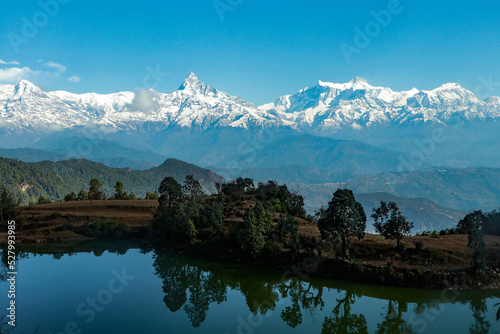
x=358 y=83
x=355 y=84
x=25 y=87
x=322 y=109
x=191 y=82
x=449 y=86
x=25 y=84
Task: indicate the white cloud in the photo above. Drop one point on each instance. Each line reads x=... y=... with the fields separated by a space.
x=50 y=127
x=356 y=126
x=59 y=67
x=75 y=79
x=8 y=62
x=15 y=74
x=145 y=101
x=106 y=130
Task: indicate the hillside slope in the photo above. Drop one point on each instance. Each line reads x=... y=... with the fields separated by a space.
x=27 y=181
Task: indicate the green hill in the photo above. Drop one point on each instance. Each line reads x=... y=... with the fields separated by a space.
x=27 y=181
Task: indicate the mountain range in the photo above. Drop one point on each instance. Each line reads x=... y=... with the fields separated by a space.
x=438 y=150
x=200 y=124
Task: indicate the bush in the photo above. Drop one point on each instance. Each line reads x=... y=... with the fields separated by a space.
x=70 y=197
x=54 y=215
x=103 y=229
x=401 y=248
x=150 y=195
x=43 y=200
x=419 y=245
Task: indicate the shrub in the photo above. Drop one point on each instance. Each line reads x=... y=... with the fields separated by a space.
x=401 y=248
x=419 y=245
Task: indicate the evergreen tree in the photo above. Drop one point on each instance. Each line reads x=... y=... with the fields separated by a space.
x=119 y=194
x=252 y=233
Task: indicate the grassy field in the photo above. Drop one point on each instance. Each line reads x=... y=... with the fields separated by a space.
x=46 y=222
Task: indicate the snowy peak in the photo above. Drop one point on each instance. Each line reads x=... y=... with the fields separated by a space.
x=358 y=83
x=25 y=86
x=354 y=84
x=191 y=81
x=324 y=109
x=192 y=85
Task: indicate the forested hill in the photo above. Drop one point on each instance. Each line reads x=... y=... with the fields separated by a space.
x=27 y=181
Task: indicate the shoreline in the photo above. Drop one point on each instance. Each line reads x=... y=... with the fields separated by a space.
x=308 y=265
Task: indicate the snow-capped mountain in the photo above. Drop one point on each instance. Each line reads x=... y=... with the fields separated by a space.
x=26 y=107
x=323 y=109
x=214 y=124
x=328 y=107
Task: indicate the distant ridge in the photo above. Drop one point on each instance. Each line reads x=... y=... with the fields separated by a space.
x=27 y=181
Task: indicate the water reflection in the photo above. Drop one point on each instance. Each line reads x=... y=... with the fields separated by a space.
x=342 y=320
x=180 y=278
x=193 y=286
x=479 y=310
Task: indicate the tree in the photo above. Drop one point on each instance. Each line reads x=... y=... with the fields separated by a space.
x=8 y=207
x=211 y=219
x=470 y=222
x=252 y=232
x=170 y=192
x=244 y=183
x=344 y=218
x=476 y=242
x=150 y=195
x=288 y=228
x=390 y=223
x=70 y=197
x=192 y=188
x=82 y=195
x=94 y=190
x=119 y=194
x=43 y=200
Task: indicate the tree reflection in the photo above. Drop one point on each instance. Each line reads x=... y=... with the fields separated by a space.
x=393 y=321
x=179 y=278
x=194 y=287
x=479 y=309
x=342 y=321
x=304 y=296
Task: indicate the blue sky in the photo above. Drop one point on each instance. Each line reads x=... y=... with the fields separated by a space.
x=255 y=49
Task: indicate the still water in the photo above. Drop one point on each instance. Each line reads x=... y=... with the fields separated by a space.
x=114 y=287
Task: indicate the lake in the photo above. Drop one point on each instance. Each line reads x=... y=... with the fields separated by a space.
x=121 y=287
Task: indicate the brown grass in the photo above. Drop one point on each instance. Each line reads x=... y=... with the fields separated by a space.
x=445 y=252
